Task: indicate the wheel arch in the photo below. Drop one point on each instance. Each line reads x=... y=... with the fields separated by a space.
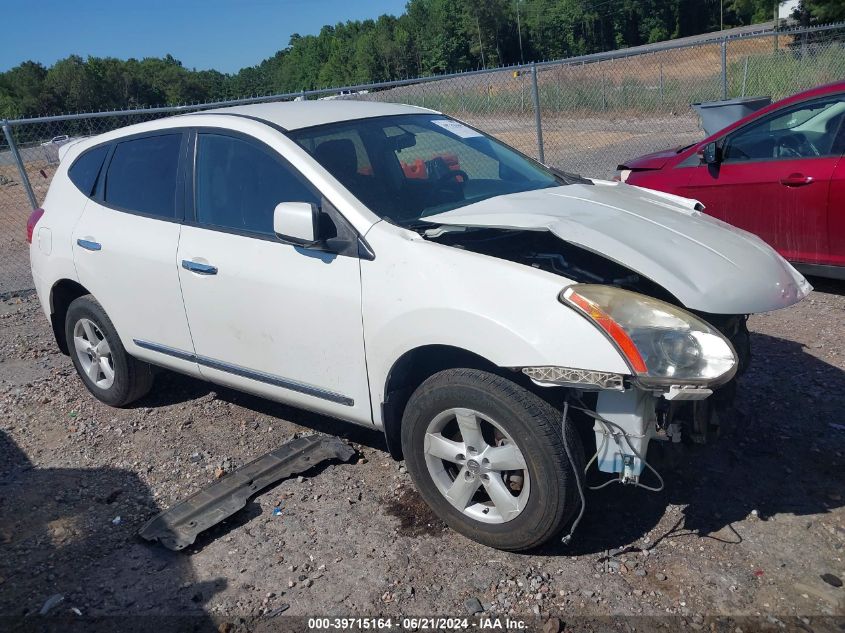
x=411 y=369
x=62 y=295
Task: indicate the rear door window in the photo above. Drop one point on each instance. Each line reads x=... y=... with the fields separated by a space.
x=239 y=183
x=142 y=175
x=84 y=171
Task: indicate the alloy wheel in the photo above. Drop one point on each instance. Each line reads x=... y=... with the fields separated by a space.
x=476 y=465
x=93 y=352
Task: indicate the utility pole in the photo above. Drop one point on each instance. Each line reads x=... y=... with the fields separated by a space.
x=805 y=22
x=777 y=23
x=519 y=33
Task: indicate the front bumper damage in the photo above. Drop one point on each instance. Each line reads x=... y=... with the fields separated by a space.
x=625 y=424
x=626 y=415
x=627 y=421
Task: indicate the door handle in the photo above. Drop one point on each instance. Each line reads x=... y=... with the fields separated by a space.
x=89 y=245
x=796 y=180
x=200 y=269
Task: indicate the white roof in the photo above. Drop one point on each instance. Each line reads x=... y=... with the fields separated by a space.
x=292 y=115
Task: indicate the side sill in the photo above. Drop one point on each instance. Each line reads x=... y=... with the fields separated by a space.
x=237 y=370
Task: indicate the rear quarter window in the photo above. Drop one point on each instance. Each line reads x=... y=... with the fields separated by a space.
x=142 y=175
x=85 y=169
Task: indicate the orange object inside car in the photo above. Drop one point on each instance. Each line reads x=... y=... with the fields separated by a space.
x=417 y=169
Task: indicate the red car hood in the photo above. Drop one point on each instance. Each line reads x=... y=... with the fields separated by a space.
x=655 y=160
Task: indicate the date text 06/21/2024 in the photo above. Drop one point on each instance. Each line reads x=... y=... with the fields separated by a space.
x=416 y=623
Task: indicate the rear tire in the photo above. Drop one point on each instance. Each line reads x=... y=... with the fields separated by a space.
x=470 y=438
x=110 y=374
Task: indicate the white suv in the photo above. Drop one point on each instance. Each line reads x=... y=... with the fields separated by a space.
x=396 y=268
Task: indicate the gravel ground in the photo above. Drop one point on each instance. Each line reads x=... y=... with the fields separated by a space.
x=14 y=212
x=746 y=527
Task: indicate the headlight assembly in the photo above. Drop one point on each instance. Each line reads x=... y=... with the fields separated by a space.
x=662 y=344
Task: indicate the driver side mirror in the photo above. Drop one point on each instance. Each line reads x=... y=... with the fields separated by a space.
x=710 y=154
x=297 y=223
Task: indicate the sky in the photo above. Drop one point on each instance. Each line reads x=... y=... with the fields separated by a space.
x=225 y=35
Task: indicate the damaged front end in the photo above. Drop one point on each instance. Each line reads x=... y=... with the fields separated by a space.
x=669 y=287
x=659 y=399
x=675 y=358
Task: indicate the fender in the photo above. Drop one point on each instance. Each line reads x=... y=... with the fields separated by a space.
x=418 y=293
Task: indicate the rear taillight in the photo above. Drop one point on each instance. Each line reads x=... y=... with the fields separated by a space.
x=31 y=222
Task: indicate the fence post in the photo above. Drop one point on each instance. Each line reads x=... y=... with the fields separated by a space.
x=21 y=169
x=535 y=94
x=661 y=83
x=603 y=89
x=522 y=92
x=724 y=69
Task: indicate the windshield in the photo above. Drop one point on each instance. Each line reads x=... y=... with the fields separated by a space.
x=407 y=167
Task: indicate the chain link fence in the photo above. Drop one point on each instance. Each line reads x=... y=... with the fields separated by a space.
x=585 y=114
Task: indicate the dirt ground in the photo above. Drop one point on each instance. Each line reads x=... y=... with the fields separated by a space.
x=746 y=526
x=14 y=212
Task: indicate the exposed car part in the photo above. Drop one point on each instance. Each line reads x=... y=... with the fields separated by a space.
x=579 y=475
x=580 y=378
x=178 y=527
x=545 y=251
x=615 y=450
x=687 y=392
x=624 y=424
x=696 y=420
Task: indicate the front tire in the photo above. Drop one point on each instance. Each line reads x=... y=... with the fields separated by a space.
x=110 y=374
x=487 y=455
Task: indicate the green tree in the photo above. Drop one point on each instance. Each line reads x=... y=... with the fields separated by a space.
x=431 y=36
x=823 y=11
x=738 y=12
x=24 y=85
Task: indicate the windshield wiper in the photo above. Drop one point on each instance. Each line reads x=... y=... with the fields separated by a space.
x=416 y=225
x=570 y=178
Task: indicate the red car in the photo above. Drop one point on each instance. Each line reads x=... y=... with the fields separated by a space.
x=779 y=173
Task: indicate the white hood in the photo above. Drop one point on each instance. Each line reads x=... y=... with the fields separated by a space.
x=706 y=264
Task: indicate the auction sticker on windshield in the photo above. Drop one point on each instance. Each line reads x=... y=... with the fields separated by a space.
x=456 y=127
